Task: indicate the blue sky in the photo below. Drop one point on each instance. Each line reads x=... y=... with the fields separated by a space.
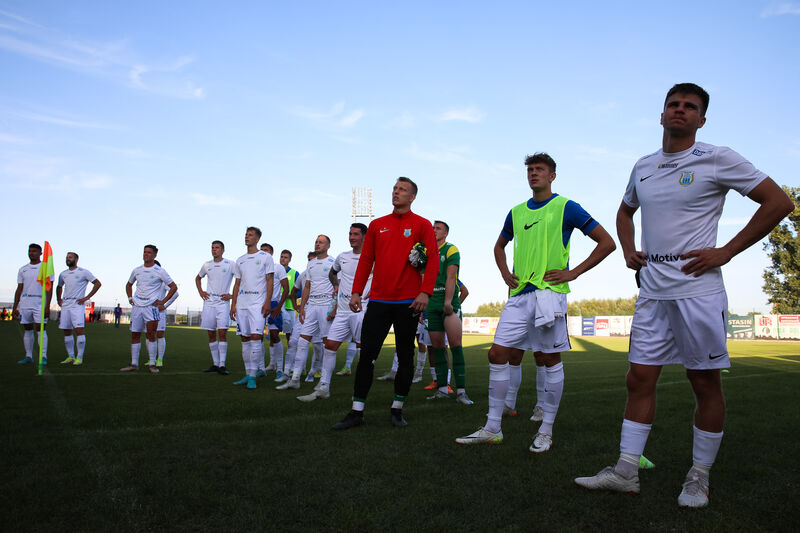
x=178 y=123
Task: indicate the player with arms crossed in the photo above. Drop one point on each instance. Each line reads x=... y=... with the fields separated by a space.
x=681 y=312
x=346 y=323
x=28 y=304
x=535 y=316
x=252 y=294
x=215 y=317
x=147 y=306
x=70 y=296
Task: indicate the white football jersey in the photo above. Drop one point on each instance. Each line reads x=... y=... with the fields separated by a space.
x=220 y=275
x=345 y=265
x=148 y=284
x=280 y=274
x=252 y=269
x=681 y=196
x=74 y=283
x=321 y=292
x=31 y=290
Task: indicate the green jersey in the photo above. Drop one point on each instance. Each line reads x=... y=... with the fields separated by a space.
x=448 y=255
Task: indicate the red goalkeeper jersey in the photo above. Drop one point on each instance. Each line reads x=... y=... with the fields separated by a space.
x=387 y=244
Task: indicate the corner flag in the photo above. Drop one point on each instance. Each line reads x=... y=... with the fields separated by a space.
x=46 y=272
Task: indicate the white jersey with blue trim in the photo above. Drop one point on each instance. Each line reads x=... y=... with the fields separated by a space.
x=220 y=275
x=321 y=292
x=252 y=269
x=74 y=283
x=31 y=297
x=148 y=282
x=345 y=266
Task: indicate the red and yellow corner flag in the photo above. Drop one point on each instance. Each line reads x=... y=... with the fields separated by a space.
x=46 y=271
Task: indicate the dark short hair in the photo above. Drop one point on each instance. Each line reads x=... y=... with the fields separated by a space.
x=254 y=229
x=152 y=247
x=690 y=88
x=269 y=246
x=443 y=223
x=218 y=242
x=359 y=225
x=34 y=245
x=312 y=254
x=75 y=254
x=156 y=262
x=408 y=180
x=541 y=157
x=286 y=252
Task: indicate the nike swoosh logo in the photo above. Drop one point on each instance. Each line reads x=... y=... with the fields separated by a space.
x=644 y=178
x=716 y=356
x=529 y=226
x=384 y=230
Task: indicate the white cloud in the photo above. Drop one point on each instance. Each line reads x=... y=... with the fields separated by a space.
x=112 y=59
x=71 y=122
x=783 y=8
x=334 y=117
x=599 y=153
x=214 y=200
x=350 y=119
x=79 y=181
x=458 y=155
x=467 y=114
x=13 y=139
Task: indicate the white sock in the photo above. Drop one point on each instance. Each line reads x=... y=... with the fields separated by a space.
x=449 y=374
x=705 y=446
x=135 y=353
x=300 y=358
x=246 y=350
x=319 y=350
x=351 y=354
x=421 y=358
x=514 y=380
x=214 y=347
x=498 y=387
x=256 y=357
x=328 y=366
x=152 y=351
x=260 y=358
x=541 y=372
x=433 y=372
x=43 y=344
x=276 y=356
x=69 y=344
x=394 y=364
x=223 y=352
x=162 y=347
x=631 y=447
x=553 y=389
x=81 y=342
x=291 y=354
x=27 y=342
x=397 y=404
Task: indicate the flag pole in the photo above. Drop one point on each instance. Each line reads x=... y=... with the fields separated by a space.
x=45 y=273
x=41 y=329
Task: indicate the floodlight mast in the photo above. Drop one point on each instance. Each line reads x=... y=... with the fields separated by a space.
x=362 y=204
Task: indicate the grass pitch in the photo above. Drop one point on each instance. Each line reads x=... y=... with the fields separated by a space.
x=89 y=448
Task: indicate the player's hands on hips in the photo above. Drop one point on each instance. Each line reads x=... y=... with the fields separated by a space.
x=448 y=308
x=559 y=276
x=81 y=301
x=636 y=259
x=420 y=303
x=226 y=297
x=704 y=260
x=204 y=295
x=511 y=279
x=355 y=303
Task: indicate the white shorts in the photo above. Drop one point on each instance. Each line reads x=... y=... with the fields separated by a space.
x=72 y=317
x=250 y=321
x=516 y=328
x=215 y=316
x=689 y=332
x=316 y=323
x=346 y=327
x=424 y=336
x=162 y=321
x=288 y=321
x=31 y=316
x=140 y=316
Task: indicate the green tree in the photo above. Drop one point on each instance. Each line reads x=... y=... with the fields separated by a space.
x=602 y=307
x=782 y=277
x=490 y=309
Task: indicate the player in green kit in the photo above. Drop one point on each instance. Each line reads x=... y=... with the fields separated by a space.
x=444 y=316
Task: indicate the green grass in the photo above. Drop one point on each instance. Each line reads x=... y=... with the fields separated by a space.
x=86 y=449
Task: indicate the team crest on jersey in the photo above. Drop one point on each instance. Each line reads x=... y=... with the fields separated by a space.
x=407 y=232
x=687 y=177
x=697 y=152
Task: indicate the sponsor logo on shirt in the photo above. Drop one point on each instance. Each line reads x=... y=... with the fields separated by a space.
x=687 y=177
x=698 y=153
x=242 y=291
x=668 y=165
x=663 y=258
